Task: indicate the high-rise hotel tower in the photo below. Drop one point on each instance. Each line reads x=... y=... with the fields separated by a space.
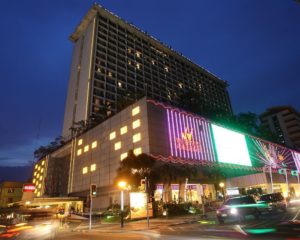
x=113 y=60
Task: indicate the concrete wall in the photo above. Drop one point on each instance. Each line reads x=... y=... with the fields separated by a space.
x=80 y=73
x=104 y=155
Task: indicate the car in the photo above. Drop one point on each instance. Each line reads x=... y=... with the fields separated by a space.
x=275 y=202
x=237 y=208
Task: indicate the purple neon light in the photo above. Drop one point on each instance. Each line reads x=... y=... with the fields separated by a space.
x=176 y=154
x=176 y=132
x=170 y=133
x=180 y=131
x=196 y=146
x=200 y=153
x=296 y=157
x=193 y=125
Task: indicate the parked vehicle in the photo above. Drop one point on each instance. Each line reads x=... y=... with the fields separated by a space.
x=275 y=201
x=237 y=208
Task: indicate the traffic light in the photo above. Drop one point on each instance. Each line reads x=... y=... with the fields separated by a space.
x=281 y=171
x=294 y=173
x=93 y=190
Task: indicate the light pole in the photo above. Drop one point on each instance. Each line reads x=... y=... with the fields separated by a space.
x=122 y=185
x=222 y=185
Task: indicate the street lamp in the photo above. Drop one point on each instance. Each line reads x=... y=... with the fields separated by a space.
x=122 y=185
x=222 y=185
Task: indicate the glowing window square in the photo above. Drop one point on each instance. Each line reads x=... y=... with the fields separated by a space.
x=80 y=142
x=86 y=148
x=137 y=151
x=135 y=111
x=79 y=152
x=231 y=146
x=136 y=138
x=136 y=124
x=94 y=144
x=38 y=194
x=33 y=181
x=123 y=130
x=93 y=167
x=36 y=166
x=112 y=135
x=118 y=145
x=41 y=177
x=123 y=156
x=85 y=170
x=35 y=173
x=42 y=170
x=43 y=163
x=40 y=185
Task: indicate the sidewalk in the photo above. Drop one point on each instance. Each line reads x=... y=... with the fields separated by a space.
x=141 y=225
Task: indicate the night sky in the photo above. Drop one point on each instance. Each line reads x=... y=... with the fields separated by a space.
x=252 y=44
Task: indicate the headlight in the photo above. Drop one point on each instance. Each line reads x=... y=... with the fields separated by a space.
x=233 y=211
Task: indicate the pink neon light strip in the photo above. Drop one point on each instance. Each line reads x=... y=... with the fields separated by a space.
x=170 y=133
x=184 y=127
x=173 y=133
x=193 y=130
x=190 y=129
x=198 y=138
x=176 y=132
x=197 y=154
x=180 y=131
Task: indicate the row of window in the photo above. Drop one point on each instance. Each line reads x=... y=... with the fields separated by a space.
x=85 y=170
x=92 y=168
x=86 y=147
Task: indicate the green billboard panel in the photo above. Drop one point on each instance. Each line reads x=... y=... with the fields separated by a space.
x=231 y=146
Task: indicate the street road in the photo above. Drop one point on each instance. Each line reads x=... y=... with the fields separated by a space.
x=269 y=227
x=265 y=228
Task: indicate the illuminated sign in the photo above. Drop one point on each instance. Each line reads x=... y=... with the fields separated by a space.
x=231 y=146
x=189 y=137
x=296 y=157
x=138 y=205
x=271 y=154
x=28 y=187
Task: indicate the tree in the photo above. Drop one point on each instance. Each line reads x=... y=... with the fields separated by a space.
x=43 y=151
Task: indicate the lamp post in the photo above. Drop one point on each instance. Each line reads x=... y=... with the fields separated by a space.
x=222 y=185
x=122 y=185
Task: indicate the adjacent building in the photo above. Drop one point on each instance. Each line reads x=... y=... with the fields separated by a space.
x=284 y=121
x=113 y=62
x=10 y=192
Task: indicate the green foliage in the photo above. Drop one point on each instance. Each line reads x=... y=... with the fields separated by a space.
x=134 y=168
x=175 y=209
x=42 y=151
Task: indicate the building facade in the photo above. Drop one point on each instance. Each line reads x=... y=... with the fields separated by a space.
x=10 y=192
x=114 y=62
x=284 y=122
x=169 y=135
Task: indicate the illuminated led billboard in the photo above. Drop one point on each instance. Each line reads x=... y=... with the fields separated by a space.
x=189 y=137
x=270 y=154
x=231 y=146
x=296 y=157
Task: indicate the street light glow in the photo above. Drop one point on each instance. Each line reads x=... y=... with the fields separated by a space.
x=122 y=184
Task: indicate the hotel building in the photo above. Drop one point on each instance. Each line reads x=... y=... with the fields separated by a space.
x=113 y=61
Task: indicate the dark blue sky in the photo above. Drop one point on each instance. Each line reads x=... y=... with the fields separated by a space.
x=252 y=44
